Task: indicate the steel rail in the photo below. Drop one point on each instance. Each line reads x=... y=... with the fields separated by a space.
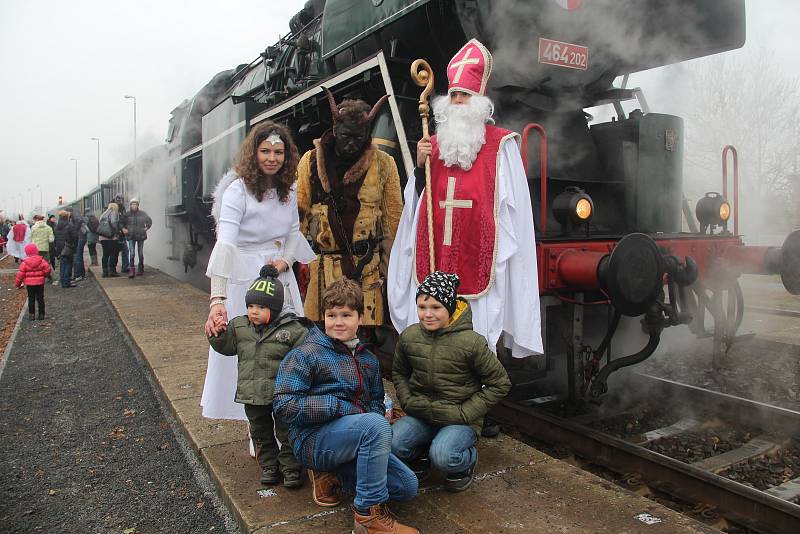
x=745 y=505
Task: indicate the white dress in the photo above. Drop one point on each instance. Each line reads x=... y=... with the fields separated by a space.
x=250 y=234
x=511 y=306
x=17 y=248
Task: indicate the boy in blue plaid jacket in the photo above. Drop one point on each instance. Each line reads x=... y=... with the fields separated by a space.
x=329 y=391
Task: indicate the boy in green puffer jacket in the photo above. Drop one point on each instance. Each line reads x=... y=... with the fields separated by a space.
x=446 y=380
x=261 y=339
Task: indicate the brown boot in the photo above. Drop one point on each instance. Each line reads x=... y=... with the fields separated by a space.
x=324 y=488
x=378 y=521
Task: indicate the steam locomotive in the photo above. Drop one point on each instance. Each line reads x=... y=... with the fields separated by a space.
x=608 y=205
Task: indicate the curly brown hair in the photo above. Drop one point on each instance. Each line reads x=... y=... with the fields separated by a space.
x=247 y=164
x=346 y=293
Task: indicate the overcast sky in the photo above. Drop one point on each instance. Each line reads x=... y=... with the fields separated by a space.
x=66 y=66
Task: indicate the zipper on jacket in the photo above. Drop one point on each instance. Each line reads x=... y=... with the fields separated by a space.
x=360 y=378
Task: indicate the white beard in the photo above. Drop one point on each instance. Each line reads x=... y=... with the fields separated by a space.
x=461 y=129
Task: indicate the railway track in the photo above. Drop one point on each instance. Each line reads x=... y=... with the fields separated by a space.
x=770 y=511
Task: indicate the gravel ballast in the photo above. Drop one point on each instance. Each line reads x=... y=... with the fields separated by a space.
x=85 y=441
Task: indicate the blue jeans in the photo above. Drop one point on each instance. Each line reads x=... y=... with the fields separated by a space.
x=133 y=244
x=450 y=448
x=80 y=269
x=358 y=449
x=66 y=270
x=123 y=250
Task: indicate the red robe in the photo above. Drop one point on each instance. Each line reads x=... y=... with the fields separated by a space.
x=469 y=217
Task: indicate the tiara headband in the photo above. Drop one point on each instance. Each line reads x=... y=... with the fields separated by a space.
x=274 y=139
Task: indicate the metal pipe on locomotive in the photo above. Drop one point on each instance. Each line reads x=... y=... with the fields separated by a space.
x=607 y=197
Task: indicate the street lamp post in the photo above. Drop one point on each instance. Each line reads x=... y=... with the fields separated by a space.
x=76 y=177
x=41 y=201
x=98 y=157
x=30 y=190
x=134 y=123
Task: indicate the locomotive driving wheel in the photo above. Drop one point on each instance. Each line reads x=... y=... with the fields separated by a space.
x=724 y=302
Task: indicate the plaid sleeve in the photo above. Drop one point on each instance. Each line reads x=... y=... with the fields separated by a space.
x=293 y=401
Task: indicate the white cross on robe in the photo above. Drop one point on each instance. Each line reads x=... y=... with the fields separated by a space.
x=463 y=63
x=448 y=205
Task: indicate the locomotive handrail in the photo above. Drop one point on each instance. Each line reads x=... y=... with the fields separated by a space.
x=732 y=149
x=542 y=167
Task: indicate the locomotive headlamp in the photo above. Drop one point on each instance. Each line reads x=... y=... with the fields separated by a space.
x=713 y=210
x=573 y=207
x=724 y=211
x=583 y=209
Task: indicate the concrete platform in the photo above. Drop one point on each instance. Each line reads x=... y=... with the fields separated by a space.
x=517 y=488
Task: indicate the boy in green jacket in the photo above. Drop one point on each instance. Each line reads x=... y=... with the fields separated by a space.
x=446 y=380
x=261 y=339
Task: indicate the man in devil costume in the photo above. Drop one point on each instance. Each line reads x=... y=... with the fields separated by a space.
x=348 y=195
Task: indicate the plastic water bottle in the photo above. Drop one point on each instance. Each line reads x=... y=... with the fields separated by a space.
x=388 y=403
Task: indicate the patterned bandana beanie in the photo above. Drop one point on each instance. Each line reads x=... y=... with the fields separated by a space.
x=442 y=287
x=266 y=290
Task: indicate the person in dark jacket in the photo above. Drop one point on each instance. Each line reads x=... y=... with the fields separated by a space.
x=92 y=222
x=66 y=243
x=329 y=390
x=79 y=269
x=446 y=380
x=33 y=271
x=261 y=339
x=51 y=222
x=108 y=230
x=136 y=224
x=122 y=240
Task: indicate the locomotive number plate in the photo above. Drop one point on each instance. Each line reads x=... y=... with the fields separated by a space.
x=562 y=54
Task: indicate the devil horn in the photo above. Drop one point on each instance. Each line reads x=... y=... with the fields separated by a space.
x=377 y=107
x=332 y=101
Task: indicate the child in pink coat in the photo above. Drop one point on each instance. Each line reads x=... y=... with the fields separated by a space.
x=33 y=271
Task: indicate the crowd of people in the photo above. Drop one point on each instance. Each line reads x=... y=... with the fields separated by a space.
x=61 y=240
x=452 y=260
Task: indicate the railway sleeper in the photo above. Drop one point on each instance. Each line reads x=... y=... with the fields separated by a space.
x=668 y=431
x=758 y=446
x=788 y=491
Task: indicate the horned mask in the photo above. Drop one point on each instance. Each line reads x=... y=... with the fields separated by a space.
x=354 y=112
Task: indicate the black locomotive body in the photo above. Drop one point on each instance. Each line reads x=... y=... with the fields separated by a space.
x=631 y=258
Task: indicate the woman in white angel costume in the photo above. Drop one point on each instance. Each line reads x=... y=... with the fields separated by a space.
x=255 y=208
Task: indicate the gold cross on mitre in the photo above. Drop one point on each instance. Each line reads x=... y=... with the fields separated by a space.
x=466 y=60
x=448 y=205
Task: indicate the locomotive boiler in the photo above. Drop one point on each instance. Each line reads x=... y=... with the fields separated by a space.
x=617 y=243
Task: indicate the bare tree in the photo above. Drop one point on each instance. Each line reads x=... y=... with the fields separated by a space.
x=748 y=101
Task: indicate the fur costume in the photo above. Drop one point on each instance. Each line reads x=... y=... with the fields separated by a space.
x=380 y=207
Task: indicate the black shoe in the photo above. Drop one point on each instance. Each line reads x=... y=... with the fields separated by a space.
x=131 y=272
x=292 y=479
x=31 y=317
x=421 y=467
x=113 y=274
x=490 y=428
x=68 y=286
x=40 y=317
x=270 y=475
x=460 y=481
